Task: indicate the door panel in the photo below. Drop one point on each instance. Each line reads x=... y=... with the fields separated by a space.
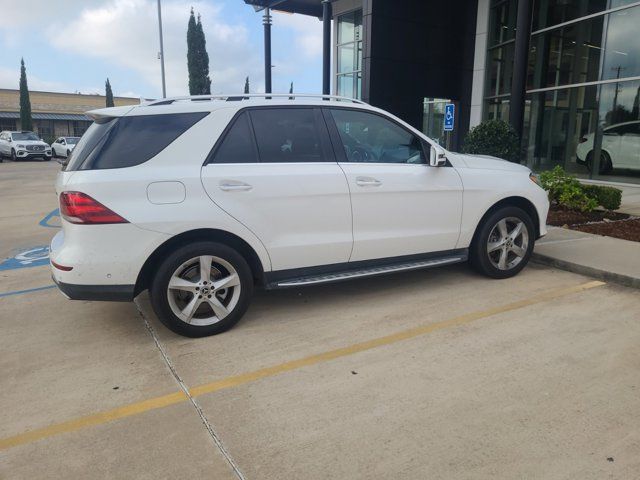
x=401 y=205
x=301 y=212
x=280 y=185
x=412 y=209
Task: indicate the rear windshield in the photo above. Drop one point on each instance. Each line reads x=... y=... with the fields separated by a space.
x=128 y=141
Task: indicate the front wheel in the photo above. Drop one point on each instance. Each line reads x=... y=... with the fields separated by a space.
x=202 y=289
x=13 y=155
x=503 y=244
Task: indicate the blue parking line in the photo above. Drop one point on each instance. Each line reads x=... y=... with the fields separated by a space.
x=45 y=221
x=29 y=290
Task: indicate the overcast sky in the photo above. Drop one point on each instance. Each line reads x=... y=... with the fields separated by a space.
x=79 y=43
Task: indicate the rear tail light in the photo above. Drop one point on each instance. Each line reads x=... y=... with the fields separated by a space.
x=80 y=208
x=582 y=140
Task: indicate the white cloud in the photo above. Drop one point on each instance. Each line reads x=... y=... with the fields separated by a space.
x=308 y=32
x=10 y=78
x=125 y=33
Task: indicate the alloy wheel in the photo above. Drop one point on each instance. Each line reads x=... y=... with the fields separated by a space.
x=203 y=290
x=508 y=243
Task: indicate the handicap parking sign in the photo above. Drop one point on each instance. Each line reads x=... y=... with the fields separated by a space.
x=449 y=116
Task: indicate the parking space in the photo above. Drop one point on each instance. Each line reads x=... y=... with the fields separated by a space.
x=431 y=374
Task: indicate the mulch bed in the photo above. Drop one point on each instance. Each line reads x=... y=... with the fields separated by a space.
x=611 y=224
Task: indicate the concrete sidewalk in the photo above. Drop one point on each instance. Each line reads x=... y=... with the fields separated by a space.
x=605 y=258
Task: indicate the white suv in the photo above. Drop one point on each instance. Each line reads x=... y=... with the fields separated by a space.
x=22 y=145
x=199 y=199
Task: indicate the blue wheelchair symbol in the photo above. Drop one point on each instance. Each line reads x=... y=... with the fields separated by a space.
x=449 y=117
x=35 y=257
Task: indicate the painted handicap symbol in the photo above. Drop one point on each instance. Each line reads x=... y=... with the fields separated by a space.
x=34 y=257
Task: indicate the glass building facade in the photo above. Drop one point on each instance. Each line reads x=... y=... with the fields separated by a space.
x=349 y=54
x=583 y=84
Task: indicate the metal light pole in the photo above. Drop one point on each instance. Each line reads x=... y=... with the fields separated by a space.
x=161 y=54
x=266 y=21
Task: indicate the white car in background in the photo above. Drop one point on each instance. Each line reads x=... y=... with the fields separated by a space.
x=63 y=146
x=23 y=145
x=201 y=199
x=620 y=147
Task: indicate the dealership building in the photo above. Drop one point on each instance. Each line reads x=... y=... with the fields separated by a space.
x=54 y=114
x=564 y=73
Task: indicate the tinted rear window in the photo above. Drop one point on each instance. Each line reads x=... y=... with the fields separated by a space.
x=88 y=142
x=238 y=145
x=130 y=141
x=287 y=135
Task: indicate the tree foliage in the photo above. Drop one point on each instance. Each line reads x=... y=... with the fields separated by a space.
x=108 y=94
x=26 y=121
x=197 y=58
x=246 y=85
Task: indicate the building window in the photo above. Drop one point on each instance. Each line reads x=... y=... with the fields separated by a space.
x=7 y=124
x=45 y=129
x=79 y=127
x=500 y=55
x=349 y=55
x=569 y=123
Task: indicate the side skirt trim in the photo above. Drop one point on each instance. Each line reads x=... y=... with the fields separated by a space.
x=342 y=272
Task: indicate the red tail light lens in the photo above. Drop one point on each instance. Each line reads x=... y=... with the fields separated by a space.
x=80 y=208
x=582 y=140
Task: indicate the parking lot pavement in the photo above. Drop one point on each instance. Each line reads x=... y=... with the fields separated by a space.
x=432 y=374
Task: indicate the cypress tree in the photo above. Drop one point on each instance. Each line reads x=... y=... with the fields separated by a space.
x=192 y=57
x=197 y=58
x=109 y=94
x=246 y=85
x=205 y=84
x=26 y=122
x=291 y=88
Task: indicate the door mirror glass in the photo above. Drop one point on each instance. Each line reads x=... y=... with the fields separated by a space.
x=437 y=156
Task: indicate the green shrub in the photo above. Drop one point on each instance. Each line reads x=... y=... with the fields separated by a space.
x=566 y=191
x=609 y=198
x=574 y=198
x=495 y=138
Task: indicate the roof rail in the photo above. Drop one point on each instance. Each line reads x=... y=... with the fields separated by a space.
x=248 y=96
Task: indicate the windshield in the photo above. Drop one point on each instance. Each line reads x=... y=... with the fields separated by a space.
x=72 y=140
x=25 y=136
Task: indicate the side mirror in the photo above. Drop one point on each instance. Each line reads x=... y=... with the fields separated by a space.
x=437 y=156
x=9 y=139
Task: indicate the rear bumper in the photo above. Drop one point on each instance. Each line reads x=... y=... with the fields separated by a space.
x=102 y=293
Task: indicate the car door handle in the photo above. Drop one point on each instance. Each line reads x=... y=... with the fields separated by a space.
x=367 y=182
x=235 y=186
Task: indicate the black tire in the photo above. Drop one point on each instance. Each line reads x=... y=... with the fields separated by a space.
x=68 y=153
x=159 y=288
x=605 y=162
x=481 y=260
x=13 y=155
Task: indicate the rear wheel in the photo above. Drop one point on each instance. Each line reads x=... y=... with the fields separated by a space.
x=503 y=244
x=605 y=162
x=202 y=289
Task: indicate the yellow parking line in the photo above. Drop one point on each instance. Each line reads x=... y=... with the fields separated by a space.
x=234 y=381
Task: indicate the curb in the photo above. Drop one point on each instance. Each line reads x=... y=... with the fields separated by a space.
x=618 y=278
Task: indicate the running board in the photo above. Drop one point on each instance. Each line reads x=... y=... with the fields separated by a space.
x=369 y=272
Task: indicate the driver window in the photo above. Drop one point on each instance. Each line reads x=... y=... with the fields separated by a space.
x=367 y=137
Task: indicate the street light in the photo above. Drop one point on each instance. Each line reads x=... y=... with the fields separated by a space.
x=161 y=53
